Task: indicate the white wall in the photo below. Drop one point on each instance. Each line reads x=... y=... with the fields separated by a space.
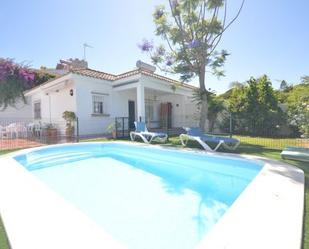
x=183 y=110
x=55 y=99
x=90 y=124
x=21 y=111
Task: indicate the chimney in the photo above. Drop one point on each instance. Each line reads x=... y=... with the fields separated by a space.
x=145 y=67
x=72 y=64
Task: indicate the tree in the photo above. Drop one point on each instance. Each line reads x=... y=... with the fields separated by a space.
x=305 y=79
x=14 y=80
x=215 y=106
x=299 y=115
x=255 y=107
x=283 y=85
x=297 y=101
x=191 y=30
x=42 y=76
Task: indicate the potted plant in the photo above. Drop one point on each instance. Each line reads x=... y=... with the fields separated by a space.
x=112 y=128
x=51 y=132
x=70 y=118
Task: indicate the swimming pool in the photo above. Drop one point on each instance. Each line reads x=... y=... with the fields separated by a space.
x=144 y=195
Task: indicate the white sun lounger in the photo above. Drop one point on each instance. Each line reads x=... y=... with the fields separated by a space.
x=142 y=132
x=195 y=134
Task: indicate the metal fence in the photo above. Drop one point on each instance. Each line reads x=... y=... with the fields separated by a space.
x=17 y=133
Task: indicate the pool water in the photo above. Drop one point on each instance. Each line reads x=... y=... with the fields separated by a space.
x=144 y=197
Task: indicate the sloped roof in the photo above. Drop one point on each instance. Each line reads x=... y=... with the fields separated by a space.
x=111 y=77
x=94 y=73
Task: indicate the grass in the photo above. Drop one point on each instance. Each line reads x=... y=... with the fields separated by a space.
x=266 y=147
x=3 y=152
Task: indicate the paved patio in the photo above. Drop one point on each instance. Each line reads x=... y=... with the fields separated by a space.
x=18 y=143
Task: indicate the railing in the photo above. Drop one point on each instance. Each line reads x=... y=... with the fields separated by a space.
x=16 y=133
x=122 y=127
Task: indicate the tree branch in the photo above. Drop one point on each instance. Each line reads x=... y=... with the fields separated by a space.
x=230 y=23
x=213 y=47
x=179 y=24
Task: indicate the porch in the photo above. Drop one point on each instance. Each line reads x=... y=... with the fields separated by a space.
x=160 y=106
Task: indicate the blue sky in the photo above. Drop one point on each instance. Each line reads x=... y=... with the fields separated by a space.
x=270 y=37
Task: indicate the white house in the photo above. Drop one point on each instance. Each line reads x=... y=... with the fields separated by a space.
x=97 y=98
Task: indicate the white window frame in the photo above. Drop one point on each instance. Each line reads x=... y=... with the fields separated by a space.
x=35 y=116
x=97 y=99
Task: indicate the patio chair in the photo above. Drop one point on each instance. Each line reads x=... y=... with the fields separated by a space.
x=21 y=130
x=296 y=153
x=11 y=130
x=196 y=134
x=147 y=137
x=2 y=132
x=34 y=129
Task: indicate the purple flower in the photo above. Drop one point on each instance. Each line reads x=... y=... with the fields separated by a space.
x=159 y=13
x=13 y=71
x=146 y=46
x=160 y=51
x=194 y=43
x=169 y=61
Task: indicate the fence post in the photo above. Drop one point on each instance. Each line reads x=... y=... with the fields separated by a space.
x=77 y=130
x=123 y=127
x=116 y=127
x=231 y=125
x=166 y=127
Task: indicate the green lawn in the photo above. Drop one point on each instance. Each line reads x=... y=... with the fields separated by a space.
x=253 y=146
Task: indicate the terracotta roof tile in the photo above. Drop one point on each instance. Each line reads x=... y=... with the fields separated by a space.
x=111 y=77
x=94 y=73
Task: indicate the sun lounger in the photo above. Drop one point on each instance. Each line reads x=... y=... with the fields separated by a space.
x=142 y=132
x=296 y=153
x=196 y=134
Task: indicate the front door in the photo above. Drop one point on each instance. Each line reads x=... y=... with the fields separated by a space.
x=131 y=105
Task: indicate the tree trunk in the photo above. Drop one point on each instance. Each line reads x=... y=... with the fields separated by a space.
x=204 y=103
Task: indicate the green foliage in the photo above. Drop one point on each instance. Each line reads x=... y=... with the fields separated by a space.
x=255 y=107
x=15 y=79
x=113 y=126
x=215 y=106
x=284 y=86
x=305 y=79
x=10 y=92
x=191 y=30
x=69 y=117
x=41 y=76
x=297 y=101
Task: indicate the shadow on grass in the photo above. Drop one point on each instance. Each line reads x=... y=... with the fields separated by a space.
x=4 y=243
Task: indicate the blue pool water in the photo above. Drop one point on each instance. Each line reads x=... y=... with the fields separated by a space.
x=142 y=195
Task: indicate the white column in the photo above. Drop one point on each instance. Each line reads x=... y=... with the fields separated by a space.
x=140 y=92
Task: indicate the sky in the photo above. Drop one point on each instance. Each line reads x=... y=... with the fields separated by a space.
x=269 y=37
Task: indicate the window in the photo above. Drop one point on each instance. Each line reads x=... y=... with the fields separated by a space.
x=37 y=110
x=97 y=104
x=149 y=110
